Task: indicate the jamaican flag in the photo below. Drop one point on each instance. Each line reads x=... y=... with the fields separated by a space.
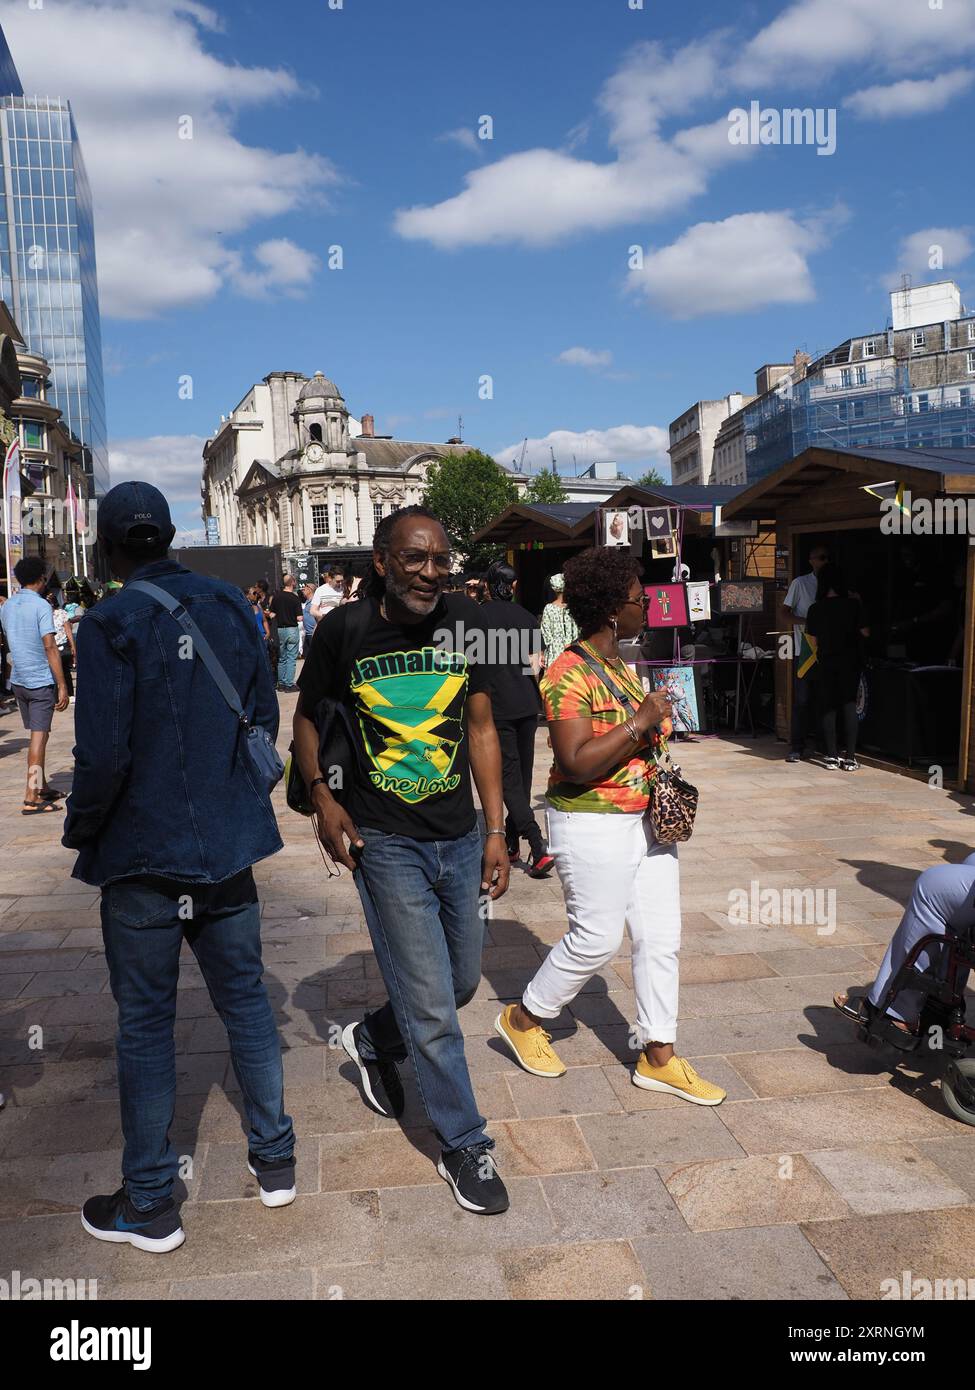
x=806 y=658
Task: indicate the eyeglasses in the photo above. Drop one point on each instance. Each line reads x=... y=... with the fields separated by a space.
x=415 y=560
x=643 y=601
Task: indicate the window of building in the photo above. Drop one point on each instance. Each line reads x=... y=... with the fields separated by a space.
x=965 y=397
x=319 y=518
x=33 y=434
x=377 y=513
x=870 y=348
x=315 y=431
x=859 y=410
x=30 y=387
x=861 y=376
x=923 y=401
x=917 y=339
x=971 y=364
x=846 y=377
x=339 y=518
x=971 y=331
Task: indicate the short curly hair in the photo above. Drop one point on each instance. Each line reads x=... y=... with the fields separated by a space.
x=597 y=584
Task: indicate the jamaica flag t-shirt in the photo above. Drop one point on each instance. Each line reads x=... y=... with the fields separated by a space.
x=408 y=693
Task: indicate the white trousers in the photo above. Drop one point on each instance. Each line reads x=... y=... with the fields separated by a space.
x=614 y=876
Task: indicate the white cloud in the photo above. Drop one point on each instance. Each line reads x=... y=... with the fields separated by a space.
x=586 y=357
x=816 y=37
x=910 y=98
x=166 y=209
x=281 y=266
x=743 y=263
x=620 y=444
x=539 y=197
x=171 y=462
x=946 y=247
x=463 y=136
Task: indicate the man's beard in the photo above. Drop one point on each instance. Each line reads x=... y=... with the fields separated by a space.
x=400 y=590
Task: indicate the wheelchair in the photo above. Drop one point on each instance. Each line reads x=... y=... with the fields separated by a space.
x=942 y=1029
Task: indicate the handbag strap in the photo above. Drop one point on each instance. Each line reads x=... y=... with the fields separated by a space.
x=618 y=694
x=201 y=647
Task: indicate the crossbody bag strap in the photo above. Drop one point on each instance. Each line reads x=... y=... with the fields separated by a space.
x=605 y=677
x=201 y=646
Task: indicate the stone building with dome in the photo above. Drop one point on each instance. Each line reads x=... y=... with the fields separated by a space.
x=291 y=467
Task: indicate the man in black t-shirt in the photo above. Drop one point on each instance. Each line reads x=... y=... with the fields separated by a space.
x=514 y=642
x=286 y=609
x=421 y=721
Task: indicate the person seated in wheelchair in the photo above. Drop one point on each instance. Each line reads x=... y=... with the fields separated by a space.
x=943 y=899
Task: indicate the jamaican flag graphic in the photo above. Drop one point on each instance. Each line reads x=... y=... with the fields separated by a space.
x=410 y=707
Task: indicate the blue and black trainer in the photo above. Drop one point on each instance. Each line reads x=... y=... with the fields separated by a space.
x=116 y=1219
x=276 y=1179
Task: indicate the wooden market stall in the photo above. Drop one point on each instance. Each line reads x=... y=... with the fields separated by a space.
x=898 y=522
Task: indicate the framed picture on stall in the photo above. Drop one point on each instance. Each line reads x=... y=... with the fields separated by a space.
x=667 y=606
x=677 y=683
x=742 y=595
x=617 y=528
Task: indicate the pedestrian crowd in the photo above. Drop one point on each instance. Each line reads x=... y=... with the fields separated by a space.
x=415 y=688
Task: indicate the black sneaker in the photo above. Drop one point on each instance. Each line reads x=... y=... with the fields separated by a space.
x=474 y=1179
x=794 y=757
x=382 y=1089
x=115 y=1219
x=849 y=765
x=541 y=865
x=276 y=1179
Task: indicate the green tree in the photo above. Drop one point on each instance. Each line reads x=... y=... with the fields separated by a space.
x=651 y=478
x=466 y=491
x=545 y=486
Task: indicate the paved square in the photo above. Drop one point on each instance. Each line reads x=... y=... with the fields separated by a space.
x=823 y=1173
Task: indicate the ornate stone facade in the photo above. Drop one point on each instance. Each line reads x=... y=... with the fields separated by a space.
x=320 y=483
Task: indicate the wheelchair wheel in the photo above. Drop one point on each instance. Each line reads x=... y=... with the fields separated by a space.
x=961 y=1111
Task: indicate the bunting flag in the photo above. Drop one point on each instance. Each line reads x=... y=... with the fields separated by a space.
x=13 y=509
x=807 y=655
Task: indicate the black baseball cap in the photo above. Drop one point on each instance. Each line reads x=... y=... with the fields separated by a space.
x=135 y=515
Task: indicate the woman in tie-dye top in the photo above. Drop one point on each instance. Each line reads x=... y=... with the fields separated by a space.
x=614 y=874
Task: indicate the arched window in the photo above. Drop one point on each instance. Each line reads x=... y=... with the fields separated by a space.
x=315 y=431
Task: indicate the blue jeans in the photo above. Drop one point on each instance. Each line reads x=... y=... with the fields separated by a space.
x=942 y=894
x=421 y=901
x=287 y=655
x=143 y=925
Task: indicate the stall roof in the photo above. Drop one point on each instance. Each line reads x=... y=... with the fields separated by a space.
x=563 y=519
x=925 y=470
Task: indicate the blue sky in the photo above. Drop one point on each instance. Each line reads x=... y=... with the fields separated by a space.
x=356 y=127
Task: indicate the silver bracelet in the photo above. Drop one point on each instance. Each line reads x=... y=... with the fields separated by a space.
x=632 y=730
x=494 y=832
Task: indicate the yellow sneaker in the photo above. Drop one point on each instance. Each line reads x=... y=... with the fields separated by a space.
x=530 y=1047
x=678 y=1078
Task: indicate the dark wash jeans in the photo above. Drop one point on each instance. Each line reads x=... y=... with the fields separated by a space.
x=144 y=922
x=421 y=901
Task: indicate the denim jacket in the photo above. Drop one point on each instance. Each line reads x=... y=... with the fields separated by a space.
x=161 y=783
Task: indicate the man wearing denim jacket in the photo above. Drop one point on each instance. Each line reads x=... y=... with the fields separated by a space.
x=168 y=815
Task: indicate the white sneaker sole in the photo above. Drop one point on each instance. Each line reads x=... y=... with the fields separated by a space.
x=348 y=1044
x=284 y=1198
x=646 y=1084
x=152 y=1247
x=546 y=1075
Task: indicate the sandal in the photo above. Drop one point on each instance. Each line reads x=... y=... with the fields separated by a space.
x=40 y=808
x=857 y=1007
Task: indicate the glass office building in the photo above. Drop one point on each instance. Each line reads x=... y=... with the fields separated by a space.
x=47 y=257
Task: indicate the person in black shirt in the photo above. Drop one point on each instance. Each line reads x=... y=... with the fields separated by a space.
x=837 y=623
x=286 y=610
x=514 y=642
x=421 y=721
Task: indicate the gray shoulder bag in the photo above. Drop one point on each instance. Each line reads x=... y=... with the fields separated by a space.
x=258 y=744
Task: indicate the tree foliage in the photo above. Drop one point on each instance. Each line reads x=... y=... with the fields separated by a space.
x=466 y=491
x=545 y=486
x=651 y=478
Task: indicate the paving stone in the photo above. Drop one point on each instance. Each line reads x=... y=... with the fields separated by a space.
x=415 y=1281
x=224 y=1176
x=379 y=1159
x=598 y=1270
x=277 y=1286
x=888 y=1177
x=425 y=1223
x=751 y=1191
x=955 y=1156
x=801 y=1071
x=539 y=1146
x=787 y=1126
x=879 y=1257
x=646 y=1138
x=751 y=1263
x=610 y=1205
x=582 y=1091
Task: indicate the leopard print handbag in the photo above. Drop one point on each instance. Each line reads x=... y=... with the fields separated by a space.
x=673 y=804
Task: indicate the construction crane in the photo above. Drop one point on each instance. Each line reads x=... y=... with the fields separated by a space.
x=521 y=461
